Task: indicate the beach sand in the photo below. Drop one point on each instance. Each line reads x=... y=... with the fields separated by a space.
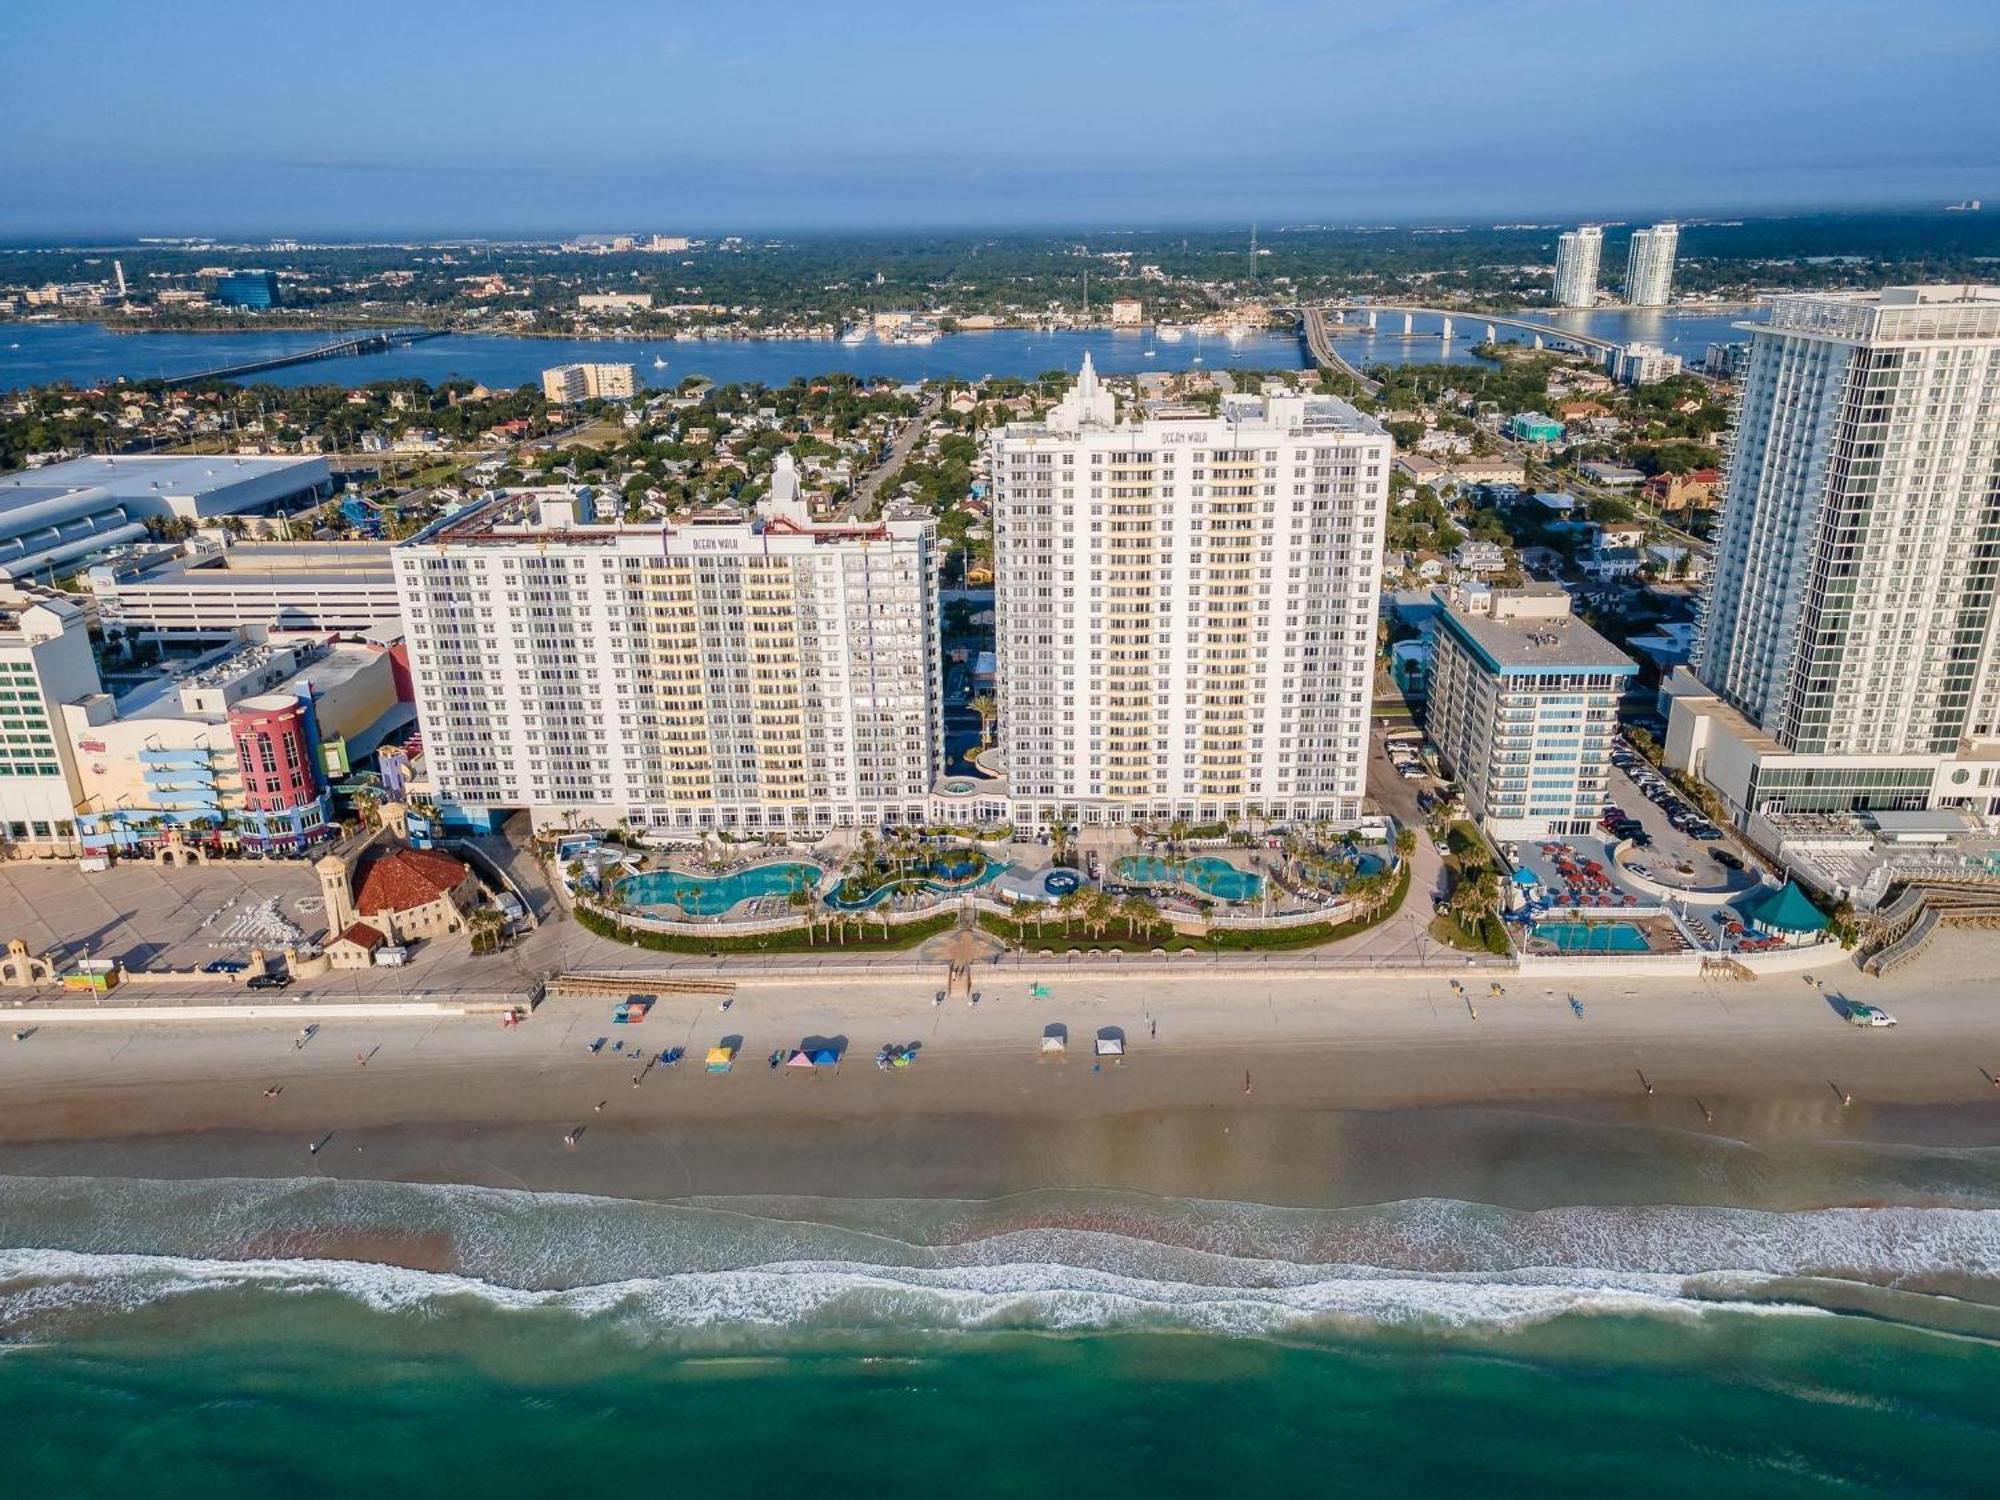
x=1359 y=1090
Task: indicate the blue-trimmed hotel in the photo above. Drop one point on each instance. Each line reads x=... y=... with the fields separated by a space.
x=1523 y=709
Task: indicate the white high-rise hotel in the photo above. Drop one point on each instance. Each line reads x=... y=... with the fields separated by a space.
x=1577 y=254
x=723 y=673
x=1649 y=265
x=1187 y=607
x=1849 y=653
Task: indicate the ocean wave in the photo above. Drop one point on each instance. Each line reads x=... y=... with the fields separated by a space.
x=828 y=1296
x=1058 y=1259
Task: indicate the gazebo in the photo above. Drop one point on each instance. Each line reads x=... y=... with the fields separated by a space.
x=1783 y=911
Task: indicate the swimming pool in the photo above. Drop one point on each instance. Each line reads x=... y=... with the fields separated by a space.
x=953 y=870
x=1207 y=874
x=1593 y=937
x=712 y=895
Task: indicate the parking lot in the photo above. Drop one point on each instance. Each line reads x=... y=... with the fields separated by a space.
x=151 y=919
x=1681 y=846
x=147 y=917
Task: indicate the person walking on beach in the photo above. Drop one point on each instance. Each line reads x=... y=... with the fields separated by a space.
x=1246 y=1080
x=1154 y=1034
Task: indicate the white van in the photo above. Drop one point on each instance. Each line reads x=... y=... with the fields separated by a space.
x=92 y=864
x=391 y=956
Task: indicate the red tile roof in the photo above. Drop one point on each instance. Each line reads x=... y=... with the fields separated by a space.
x=405 y=879
x=363 y=936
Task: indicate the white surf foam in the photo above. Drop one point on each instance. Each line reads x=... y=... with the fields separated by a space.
x=1055 y=1260
x=832 y=1295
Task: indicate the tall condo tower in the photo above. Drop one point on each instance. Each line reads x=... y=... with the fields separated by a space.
x=723 y=672
x=1649 y=265
x=1577 y=254
x=1852 y=608
x=1186 y=607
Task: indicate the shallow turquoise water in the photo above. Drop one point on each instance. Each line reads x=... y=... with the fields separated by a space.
x=1207 y=874
x=712 y=895
x=961 y=871
x=1593 y=937
x=273 y=1397
x=1049 y=1344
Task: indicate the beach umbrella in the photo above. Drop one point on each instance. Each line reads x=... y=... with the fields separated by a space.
x=799 y=1060
x=826 y=1057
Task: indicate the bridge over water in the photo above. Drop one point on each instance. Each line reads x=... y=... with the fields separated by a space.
x=1318 y=336
x=361 y=343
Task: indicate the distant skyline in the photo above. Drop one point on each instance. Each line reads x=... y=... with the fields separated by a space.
x=505 y=117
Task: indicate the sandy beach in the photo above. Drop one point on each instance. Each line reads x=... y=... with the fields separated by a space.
x=1304 y=1091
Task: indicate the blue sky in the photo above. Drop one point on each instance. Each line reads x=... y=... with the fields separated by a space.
x=444 y=115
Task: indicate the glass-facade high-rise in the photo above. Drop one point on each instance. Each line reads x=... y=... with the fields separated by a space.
x=1852 y=607
x=252 y=289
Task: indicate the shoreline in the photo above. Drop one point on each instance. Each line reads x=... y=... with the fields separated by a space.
x=1756 y=1095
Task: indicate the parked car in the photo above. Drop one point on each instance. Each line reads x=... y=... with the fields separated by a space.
x=1724 y=858
x=1868 y=1015
x=224 y=966
x=269 y=982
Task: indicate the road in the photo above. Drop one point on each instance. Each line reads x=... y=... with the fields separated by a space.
x=861 y=506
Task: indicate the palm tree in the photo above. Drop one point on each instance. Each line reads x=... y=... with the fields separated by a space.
x=1406 y=842
x=1068 y=905
x=1138 y=912
x=799 y=901
x=1098 y=910
x=988 y=709
x=483 y=927
x=1059 y=842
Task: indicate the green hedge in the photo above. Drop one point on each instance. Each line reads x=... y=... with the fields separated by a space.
x=1076 y=935
x=862 y=937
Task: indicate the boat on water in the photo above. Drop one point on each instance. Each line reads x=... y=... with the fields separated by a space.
x=855 y=336
x=659 y=363
x=1168 y=334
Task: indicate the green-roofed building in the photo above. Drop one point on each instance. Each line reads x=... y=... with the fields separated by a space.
x=1786 y=910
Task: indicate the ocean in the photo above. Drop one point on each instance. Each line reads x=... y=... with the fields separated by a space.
x=315 y=1337
x=84 y=353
